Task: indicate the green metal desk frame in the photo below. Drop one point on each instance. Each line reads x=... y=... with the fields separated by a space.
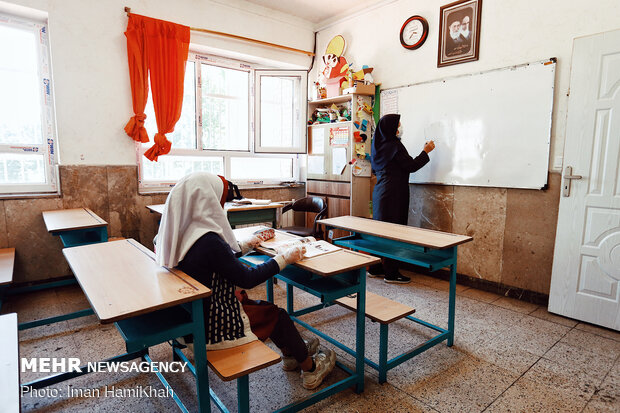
x=71 y=238
x=144 y=331
x=327 y=289
x=252 y=216
x=433 y=259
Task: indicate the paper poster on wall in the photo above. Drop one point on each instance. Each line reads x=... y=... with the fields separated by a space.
x=318 y=140
x=316 y=165
x=339 y=136
x=339 y=160
x=361 y=168
x=389 y=101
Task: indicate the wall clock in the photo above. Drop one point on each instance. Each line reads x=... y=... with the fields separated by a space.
x=414 y=32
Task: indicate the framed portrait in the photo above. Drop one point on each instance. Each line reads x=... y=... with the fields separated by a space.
x=459 y=32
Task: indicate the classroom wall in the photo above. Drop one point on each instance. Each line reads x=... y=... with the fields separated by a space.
x=513 y=230
x=93 y=103
x=89 y=62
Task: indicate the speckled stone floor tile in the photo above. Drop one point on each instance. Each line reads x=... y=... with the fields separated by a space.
x=470 y=385
x=479 y=295
x=515 y=305
x=542 y=313
x=593 y=343
x=565 y=377
x=529 y=396
x=599 y=331
x=593 y=364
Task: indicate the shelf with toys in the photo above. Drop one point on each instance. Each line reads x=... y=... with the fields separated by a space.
x=340 y=127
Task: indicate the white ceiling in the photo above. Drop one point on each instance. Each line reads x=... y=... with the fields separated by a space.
x=317 y=11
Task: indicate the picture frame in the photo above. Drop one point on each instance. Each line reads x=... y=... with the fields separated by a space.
x=459 y=32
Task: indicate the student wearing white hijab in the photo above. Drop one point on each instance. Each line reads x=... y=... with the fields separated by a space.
x=195 y=236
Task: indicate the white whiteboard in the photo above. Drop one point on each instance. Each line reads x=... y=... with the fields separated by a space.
x=490 y=129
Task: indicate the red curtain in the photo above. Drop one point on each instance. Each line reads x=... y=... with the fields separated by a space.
x=164 y=51
x=138 y=77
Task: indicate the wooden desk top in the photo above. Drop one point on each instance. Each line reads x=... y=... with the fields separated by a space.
x=71 y=219
x=327 y=264
x=228 y=207
x=9 y=364
x=7 y=259
x=122 y=280
x=403 y=233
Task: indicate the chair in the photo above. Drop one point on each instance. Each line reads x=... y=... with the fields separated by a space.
x=312 y=204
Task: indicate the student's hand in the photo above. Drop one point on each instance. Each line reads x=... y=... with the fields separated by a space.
x=294 y=254
x=252 y=242
x=429 y=146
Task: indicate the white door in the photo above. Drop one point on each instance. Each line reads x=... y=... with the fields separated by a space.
x=586 y=266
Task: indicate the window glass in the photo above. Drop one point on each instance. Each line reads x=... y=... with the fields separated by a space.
x=20 y=97
x=225 y=108
x=246 y=168
x=171 y=168
x=22 y=169
x=279 y=111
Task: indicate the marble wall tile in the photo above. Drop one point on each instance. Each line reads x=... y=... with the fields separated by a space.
x=38 y=254
x=529 y=239
x=4 y=239
x=85 y=186
x=149 y=222
x=481 y=213
x=431 y=206
x=122 y=182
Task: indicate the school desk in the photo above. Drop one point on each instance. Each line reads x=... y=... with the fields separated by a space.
x=329 y=277
x=422 y=247
x=7 y=260
x=77 y=226
x=241 y=214
x=9 y=364
x=124 y=285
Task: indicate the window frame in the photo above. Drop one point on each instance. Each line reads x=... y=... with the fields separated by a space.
x=303 y=98
x=154 y=186
x=48 y=147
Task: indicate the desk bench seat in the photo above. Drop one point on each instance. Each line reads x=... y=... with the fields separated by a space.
x=235 y=362
x=378 y=308
x=384 y=311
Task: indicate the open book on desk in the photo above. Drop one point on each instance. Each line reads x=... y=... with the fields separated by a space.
x=313 y=247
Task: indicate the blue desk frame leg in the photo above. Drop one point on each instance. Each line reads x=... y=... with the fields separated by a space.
x=243 y=394
x=200 y=357
x=383 y=352
x=360 y=331
x=452 y=299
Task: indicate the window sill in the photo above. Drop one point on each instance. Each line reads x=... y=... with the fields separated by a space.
x=158 y=191
x=7 y=197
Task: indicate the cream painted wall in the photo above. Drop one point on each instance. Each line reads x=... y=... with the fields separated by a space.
x=513 y=32
x=89 y=62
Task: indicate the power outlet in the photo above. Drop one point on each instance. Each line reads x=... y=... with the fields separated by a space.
x=557 y=163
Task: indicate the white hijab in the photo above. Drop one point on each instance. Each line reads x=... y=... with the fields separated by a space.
x=192 y=209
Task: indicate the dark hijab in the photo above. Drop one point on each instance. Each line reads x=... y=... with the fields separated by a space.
x=385 y=144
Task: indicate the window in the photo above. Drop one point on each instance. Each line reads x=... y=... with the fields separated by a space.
x=280 y=113
x=216 y=130
x=27 y=128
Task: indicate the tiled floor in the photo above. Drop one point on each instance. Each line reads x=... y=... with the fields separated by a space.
x=508 y=356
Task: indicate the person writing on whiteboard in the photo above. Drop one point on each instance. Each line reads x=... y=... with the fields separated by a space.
x=390 y=198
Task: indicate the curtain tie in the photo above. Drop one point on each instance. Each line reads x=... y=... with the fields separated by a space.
x=135 y=128
x=161 y=147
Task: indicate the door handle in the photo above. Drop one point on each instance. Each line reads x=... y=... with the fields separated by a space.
x=568 y=177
